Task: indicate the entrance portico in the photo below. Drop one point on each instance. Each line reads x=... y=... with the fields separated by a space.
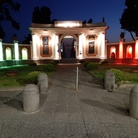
x=85 y=41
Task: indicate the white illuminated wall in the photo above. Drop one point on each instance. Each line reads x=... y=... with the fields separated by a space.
x=102 y=39
x=35 y=47
x=56 y=47
x=80 y=48
x=101 y=49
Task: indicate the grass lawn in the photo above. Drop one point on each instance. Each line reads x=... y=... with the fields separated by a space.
x=127 y=77
x=128 y=74
x=21 y=72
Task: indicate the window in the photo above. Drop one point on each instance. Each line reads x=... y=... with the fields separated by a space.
x=45 y=43
x=8 y=54
x=24 y=53
x=112 y=52
x=45 y=46
x=91 y=47
x=129 y=52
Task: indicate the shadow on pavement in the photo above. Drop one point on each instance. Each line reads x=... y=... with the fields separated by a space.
x=104 y=106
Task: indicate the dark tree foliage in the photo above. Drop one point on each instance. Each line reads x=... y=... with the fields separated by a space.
x=27 y=39
x=41 y=15
x=5 y=7
x=53 y=21
x=90 y=21
x=129 y=18
x=84 y=22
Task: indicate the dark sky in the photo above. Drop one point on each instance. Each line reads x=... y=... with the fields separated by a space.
x=82 y=10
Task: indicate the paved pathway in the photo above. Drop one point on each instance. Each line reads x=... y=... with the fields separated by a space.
x=90 y=112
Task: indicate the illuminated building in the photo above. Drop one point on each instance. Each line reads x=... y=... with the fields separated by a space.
x=68 y=39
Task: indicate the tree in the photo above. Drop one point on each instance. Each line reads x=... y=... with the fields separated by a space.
x=27 y=39
x=129 y=20
x=5 y=14
x=90 y=20
x=41 y=15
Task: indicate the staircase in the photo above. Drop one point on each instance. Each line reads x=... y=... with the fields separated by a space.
x=69 y=60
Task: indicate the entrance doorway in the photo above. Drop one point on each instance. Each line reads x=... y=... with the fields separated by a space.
x=68 y=47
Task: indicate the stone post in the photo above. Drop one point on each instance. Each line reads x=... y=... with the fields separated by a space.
x=109 y=81
x=133 y=105
x=31 y=98
x=43 y=82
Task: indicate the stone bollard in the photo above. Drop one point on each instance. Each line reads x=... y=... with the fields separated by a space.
x=43 y=82
x=109 y=81
x=31 y=98
x=133 y=102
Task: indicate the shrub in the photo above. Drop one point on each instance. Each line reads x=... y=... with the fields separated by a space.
x=32 y=77
x=105 y=62
x=49 y=67
x=40 y=67
x=119 y=75
x=54 y=63
x=92 y=66
x=85 y=64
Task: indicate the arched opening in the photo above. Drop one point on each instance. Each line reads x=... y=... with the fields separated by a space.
x=112 y=52
x=68 y=49
x=8 y=54
x=129 y=52
x=24 y=54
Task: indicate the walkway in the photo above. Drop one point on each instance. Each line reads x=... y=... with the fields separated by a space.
x=90 y=112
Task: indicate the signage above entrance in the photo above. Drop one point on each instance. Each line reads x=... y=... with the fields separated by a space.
x=68 y=24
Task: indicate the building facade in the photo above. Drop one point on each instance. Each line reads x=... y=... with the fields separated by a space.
x=123 y=52
x=68 y=39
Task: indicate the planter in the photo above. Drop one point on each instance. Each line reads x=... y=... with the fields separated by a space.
x=11 y=73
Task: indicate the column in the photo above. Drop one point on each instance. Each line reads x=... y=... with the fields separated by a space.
x=136 y=48
x=16 y=50
x=57 y=47
x=102 y=55
x=1 y=50
x=34 y=47
x=80 y=47
x=121 y=48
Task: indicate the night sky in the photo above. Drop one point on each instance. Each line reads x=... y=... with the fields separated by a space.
x=82 y=10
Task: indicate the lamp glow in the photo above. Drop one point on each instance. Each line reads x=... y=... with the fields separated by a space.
x=68 y=24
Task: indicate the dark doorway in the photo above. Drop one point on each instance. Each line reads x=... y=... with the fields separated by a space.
x=68 y=49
